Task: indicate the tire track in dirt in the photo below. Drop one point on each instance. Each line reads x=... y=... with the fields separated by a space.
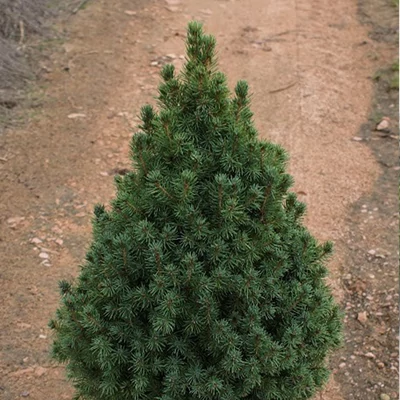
x=308 y=76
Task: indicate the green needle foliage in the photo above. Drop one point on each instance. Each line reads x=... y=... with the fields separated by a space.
x=201 y=281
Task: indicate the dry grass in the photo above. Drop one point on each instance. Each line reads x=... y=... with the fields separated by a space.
x=19 y=19
x=20 y=22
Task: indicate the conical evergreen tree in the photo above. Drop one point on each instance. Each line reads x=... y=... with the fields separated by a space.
x=201 y=281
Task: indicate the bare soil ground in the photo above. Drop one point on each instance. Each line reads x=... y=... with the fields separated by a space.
x=309 y=64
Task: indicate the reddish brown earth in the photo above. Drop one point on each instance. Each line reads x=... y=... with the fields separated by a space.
x=309 y=64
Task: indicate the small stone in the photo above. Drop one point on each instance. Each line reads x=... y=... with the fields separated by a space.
x=370 y=355
x=15 y=220
x=172 y=8
x=130 y=13
x=342 y=365
x=35 y=240
x=57 y=230
x=59 y=242
x=41 y=336
x=362 y=317
x=372 y=252
x=384 y=396
x=173 y=2
x=25 y=394
x=154 y=63
x=380 y=365
x=357 y=139
x=44 y=255
x=171 y=55
x=104 y=173
x=23 y=325
x=26 y=359
x=76 y=115
x=40 y=371
x=384 y=124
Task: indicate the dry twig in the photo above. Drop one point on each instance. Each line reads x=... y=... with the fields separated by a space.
x=283 y=88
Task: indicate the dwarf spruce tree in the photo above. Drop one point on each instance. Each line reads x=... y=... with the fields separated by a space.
x=201 y=281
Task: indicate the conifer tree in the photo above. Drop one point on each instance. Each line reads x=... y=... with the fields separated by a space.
x=201 y=282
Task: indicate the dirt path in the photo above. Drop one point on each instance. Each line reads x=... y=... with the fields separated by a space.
x=307 y=66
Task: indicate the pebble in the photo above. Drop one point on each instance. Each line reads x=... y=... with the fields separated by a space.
x=370 y=355
x=46 y=263
x=357 y=139
x=40 y=371
x=35 y=240
x=129 y=12
x=44 y=255
x=372 y=252
x=14 y=221
x=384 y=396
x=59 y=242
x=384 y=124
x=76 y=115
x=362 y=316
x=104 y=173
x=173 y=8
x=57 y=229
x=23 y=325
x=342 y=365
x=173 y=2
x=42 y=336
x=25 y=394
